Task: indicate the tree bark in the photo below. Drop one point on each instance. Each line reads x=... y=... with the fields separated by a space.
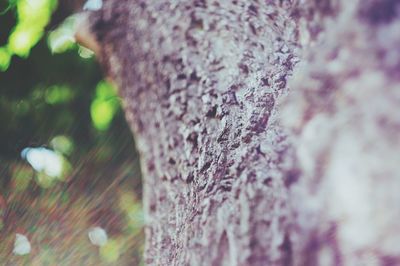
x=238 y=168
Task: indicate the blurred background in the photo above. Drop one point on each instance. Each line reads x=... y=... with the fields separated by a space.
x=70 y=184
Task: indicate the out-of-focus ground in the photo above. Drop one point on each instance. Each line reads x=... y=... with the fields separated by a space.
x=57 y=220
x=67 y=158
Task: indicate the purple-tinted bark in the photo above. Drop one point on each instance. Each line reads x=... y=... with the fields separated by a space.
x=267 y=129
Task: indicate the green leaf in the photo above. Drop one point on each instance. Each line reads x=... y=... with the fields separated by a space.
x=5 y=58
x=104 y=106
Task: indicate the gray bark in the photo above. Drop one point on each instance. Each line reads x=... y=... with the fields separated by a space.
x=268 y=130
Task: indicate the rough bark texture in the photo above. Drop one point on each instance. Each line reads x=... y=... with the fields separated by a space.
x=238 y=168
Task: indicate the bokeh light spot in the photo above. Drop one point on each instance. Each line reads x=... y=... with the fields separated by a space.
x=110 y=252
x=5 y=58
x=58 y=94
x=62 y=144
x=104 y=106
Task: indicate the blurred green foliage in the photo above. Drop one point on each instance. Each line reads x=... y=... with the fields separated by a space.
x=32 y=18
x=54 y=101
x=104 y=106
x=50 y=79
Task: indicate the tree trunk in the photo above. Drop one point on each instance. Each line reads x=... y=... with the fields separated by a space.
x=238 y=168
